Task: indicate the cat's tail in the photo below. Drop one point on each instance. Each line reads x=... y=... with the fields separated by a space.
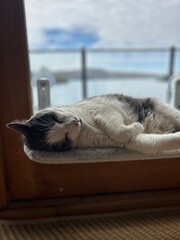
x=154 y=143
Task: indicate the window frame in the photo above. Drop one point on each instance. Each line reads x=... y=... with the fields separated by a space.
x=25 y=192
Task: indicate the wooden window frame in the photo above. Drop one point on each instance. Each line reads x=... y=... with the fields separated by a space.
x=162 y=189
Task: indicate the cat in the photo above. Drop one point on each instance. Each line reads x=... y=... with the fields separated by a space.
x=114 y=120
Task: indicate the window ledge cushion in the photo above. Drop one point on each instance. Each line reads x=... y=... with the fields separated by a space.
x=91 y=155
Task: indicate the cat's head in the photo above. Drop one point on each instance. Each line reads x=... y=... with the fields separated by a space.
x=49 y=130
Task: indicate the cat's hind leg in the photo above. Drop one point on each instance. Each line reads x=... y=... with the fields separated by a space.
x=115 y=128
x=167 y=111
x=154 y=143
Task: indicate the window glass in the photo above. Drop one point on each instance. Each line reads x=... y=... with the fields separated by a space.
x=94 y=47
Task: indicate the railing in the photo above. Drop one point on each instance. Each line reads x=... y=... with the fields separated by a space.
x=87 y=69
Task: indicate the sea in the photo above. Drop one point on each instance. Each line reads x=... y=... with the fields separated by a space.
x=70 y=92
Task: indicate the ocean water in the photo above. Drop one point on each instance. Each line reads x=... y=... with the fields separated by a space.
x=71 y=91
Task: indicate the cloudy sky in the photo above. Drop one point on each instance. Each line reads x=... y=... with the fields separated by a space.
x=102 y=23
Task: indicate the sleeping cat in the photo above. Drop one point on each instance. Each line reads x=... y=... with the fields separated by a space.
x=145 y=125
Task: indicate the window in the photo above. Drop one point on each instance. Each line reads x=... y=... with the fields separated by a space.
x=127 y=47
x=22 y=179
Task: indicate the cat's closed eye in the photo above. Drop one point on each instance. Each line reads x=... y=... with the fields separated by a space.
x=47 y=118
x=56 y=119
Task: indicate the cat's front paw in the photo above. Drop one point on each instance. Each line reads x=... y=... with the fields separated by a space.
x=137 y=128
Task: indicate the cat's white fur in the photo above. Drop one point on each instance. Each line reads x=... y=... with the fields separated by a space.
x=107 y=124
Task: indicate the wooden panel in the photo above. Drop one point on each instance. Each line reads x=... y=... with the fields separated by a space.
x=15 y=96
x=3 y=185
x=92 y=205
x=97 y=178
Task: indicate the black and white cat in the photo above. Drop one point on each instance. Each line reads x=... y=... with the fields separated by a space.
x=145 y=125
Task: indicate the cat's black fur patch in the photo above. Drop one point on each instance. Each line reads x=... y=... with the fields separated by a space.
x=44 y=119
x=39 y=127
x=141 y=107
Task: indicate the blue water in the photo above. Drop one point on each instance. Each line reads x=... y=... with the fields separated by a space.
x=71 y=91
x=150 y=62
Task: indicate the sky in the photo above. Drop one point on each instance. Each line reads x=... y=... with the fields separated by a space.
x=94 y=24
x=103 y=23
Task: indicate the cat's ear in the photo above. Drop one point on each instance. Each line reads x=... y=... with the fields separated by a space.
x=22 y=128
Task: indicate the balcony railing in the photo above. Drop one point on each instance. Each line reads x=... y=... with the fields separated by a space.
x=117 y=64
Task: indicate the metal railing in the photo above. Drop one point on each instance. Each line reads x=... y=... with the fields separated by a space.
x=171 y=54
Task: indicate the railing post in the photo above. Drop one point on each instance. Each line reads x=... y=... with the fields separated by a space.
x=171 y=61
x=84 y=73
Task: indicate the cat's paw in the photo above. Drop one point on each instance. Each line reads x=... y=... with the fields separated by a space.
x=177 y=134
x=137 y=128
